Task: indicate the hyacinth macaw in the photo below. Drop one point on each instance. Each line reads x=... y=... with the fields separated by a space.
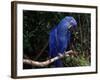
x=59 y=38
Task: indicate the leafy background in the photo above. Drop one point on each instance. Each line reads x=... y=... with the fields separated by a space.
x=36 y=28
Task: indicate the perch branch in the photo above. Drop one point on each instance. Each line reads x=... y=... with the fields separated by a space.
x=47 y=62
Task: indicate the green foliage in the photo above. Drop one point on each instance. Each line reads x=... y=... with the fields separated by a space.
x=36 y=28
x=76 y=61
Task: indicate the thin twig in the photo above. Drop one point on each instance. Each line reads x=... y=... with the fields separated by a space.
x=41 y=51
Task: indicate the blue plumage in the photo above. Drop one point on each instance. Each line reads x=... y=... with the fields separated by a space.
x=59 y=38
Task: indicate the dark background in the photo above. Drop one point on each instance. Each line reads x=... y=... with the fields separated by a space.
x=36 y=28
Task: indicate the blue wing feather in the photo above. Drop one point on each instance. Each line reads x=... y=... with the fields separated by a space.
x=59 y=38
x=52 y=44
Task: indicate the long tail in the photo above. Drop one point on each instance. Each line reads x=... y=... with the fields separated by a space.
x=58 y=63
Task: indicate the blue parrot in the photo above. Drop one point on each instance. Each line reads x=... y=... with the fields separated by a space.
x=59 y=38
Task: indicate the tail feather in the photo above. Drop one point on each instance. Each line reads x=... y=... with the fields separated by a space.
x=58 y=63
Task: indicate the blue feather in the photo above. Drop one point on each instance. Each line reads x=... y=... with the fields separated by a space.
x=59 y=38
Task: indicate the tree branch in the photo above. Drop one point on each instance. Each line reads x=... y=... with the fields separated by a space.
x=47 y=62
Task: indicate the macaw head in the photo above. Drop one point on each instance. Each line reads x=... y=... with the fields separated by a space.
x=71 y=23
x=71 y=26
x=68 y=23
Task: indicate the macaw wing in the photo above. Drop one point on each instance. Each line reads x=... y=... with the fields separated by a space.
x=63 y=41
x=52 y=43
